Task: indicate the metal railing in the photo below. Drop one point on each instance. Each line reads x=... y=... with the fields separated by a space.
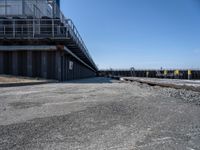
x=32 y=28
x=42 y=28
x=78 y=38
x=56 y=26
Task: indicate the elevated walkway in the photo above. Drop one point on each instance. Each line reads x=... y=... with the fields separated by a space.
x=44 y=31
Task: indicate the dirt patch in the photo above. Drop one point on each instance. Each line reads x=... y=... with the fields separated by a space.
x=13 y=79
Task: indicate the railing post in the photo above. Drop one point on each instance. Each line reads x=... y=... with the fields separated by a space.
x=13 y=28
x=53 y=28
x=67 y=30
x=4 y=30
x=33 y=28
x=59 y=30
x=39 y=26
x=22 y=30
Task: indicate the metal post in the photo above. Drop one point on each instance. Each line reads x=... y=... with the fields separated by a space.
x=66 y=67
x=53 y=28
x=62 y=67
x=67 y=30
x=29 y=63
x=39 y=25
x=189 y=74
x=147 y=74
x=33 y=28
x=58 y=65
x=59 y=30
x=14 y=63
x=13 y=27
x=44 y=64
x=22 y=30
x=1 y=62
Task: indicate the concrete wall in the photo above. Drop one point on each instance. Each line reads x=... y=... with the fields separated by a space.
x=57 y=65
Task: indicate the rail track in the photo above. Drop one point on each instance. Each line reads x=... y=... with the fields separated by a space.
x=193 y=85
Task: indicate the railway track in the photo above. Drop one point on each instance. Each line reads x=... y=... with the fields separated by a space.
x=169 y=83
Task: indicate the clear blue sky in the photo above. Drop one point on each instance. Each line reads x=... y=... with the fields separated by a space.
x=138 y=33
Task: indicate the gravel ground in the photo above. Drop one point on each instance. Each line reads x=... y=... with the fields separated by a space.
x=186 y=95
x=194 y=83
x=99 y=114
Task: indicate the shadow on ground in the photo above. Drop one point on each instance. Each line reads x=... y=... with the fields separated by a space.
x=97 y=80
x=75 y=129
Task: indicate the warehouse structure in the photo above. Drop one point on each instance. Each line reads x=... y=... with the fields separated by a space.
x=36 y=40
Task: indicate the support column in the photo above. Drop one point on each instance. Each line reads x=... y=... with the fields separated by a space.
x=44 y=64
x=189 y=74
x=1 y=62
x=63 y=67
x=58 y=66
x=66 y=67
x=29 y=64
x=14 y=63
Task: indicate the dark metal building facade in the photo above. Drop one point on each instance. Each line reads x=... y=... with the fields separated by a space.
x=45 y=46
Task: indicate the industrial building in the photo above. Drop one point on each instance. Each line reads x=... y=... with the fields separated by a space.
x=36 y=40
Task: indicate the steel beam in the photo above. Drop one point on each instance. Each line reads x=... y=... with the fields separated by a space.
x=28 y=47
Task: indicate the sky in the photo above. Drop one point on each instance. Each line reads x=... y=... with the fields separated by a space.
x=144 y=34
